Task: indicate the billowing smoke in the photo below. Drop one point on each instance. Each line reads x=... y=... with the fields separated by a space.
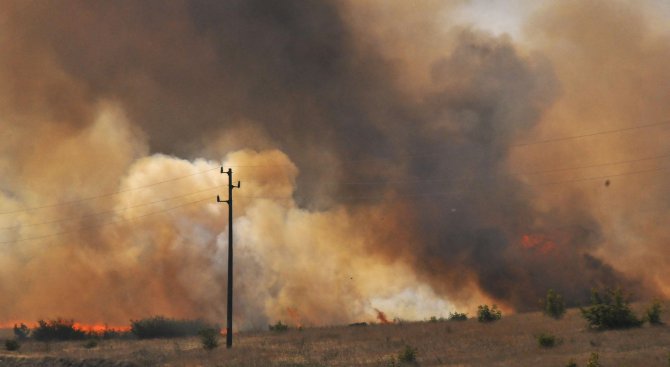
x=380 y=169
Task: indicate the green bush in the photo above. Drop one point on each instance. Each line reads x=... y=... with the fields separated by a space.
x=553 y=305
x=457 y=316
x=209 y=338
x=162 y=327
x=407 y=355
x=654 y=313
x=594 y=361
x=486 y=314
x=278 y=327
x=610 y=311
x=546 y=340
x=12 y=345
x=571 y=363
x=21 y=332
x=58 y=329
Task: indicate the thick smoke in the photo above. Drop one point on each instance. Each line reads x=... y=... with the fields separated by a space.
x=379 y=168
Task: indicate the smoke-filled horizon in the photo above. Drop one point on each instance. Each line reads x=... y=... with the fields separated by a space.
x=381 y=148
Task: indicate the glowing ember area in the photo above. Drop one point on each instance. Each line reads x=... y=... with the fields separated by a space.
x=99 y=328
x=537 y=242
x=381 y=316
x=88 y=328
x=293 y=314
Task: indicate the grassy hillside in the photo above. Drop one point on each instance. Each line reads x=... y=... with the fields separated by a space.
x=511 y=341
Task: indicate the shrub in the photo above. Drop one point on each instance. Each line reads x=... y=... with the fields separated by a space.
x=457 y=316
x=654 y=313
x=209 y=338
x=278 y=327
x=594 y=361
x=610 y=311
x=91 y=343
x=407 y=355
x=546 y=340
x=162 y=327
x=553 y=305
x=486 y=314
x=12 y=345
x=58 y=329
x=21 y=332
x=571 y=363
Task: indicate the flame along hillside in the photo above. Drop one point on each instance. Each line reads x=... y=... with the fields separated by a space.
x=511 y=340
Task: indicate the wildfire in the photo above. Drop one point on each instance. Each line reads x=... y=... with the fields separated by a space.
x=99 y=328
x=293 y=314
x=538 y=242
x=381 y=316
x=89 y=328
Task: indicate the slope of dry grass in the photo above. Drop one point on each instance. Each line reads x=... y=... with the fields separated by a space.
x=508 y=342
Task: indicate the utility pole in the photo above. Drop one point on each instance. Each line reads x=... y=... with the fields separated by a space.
x=229 y=315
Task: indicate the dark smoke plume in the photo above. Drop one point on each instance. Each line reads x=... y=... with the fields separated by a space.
x=400 y=181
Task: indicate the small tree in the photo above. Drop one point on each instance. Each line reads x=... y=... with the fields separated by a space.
x=209 y=338
x=12 y=345
x=486 y=314
x=610 y=310
x=553 y=305
x=21 y=332
x=654 y=313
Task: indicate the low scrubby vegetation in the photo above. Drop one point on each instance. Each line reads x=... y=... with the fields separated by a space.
x=610 y=310
x=90 y=344
x=58 y=329
x=486 y=314
x=209 y=338
x=407 y=355
x=594 y=360
x=12 y=345
x=278 y=327
x=546 y=340
x=163 y=327
x=553 y=305
x=21 y=332
x=458 y=316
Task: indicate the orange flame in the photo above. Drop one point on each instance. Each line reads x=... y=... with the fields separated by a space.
x=90 y=328
x=381 y=316
x=538 y=242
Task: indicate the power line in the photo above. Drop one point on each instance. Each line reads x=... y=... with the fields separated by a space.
x=431 y=195
x=106 y=194
x=106 y=223
x=629 y=128
x=108 y=211
x=551 y=140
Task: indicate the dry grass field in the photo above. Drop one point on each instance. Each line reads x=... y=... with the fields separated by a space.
x=511 y=341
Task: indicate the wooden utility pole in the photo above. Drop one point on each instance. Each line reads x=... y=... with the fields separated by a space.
x=229 y=315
